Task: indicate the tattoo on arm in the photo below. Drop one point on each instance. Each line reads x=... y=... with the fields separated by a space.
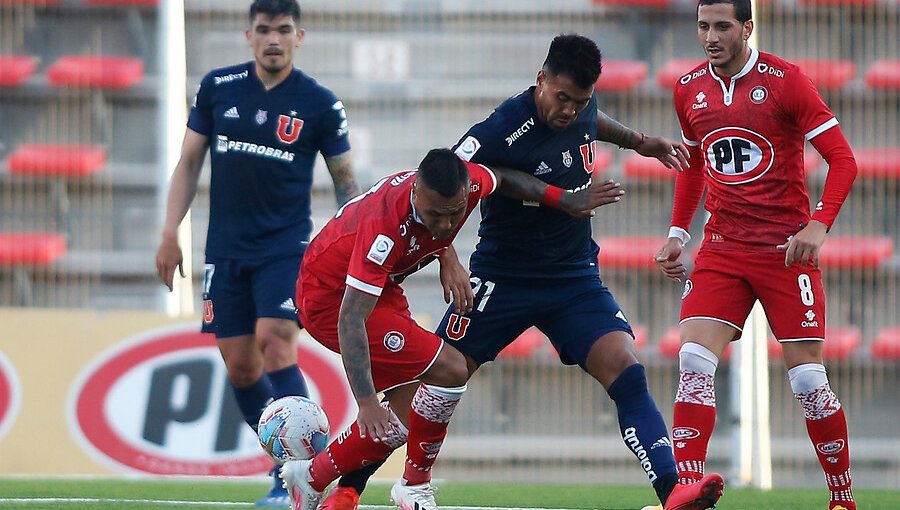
x=354 y=341
x=341 y=168
x=611 y=130
x=519 y=185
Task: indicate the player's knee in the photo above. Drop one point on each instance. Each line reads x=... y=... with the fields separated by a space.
x=449 y=370
x=243 y=373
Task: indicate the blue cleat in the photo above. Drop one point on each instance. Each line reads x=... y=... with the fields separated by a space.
x=278 y=496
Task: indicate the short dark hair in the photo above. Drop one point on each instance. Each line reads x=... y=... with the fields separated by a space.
x=275 y=8
x=575 y=56
x=742 y=10
x=443 y=171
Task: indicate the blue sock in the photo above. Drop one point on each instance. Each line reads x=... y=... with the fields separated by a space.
x=253 y=399
x=288 y=381
x=643 y=428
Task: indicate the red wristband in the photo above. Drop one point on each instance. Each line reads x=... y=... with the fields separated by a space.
x=552 y=195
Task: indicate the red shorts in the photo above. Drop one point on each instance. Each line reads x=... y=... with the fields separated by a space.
x=399 y=349
x=725 y=283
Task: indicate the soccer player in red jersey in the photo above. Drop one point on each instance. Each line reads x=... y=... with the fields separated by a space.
x=350 y=300
x=745 y=116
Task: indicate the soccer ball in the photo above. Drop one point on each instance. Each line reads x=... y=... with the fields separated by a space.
x=293 y=428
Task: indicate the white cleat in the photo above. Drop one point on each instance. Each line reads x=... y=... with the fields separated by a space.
x=295 y=474
x=413 y=497
x=652 y=507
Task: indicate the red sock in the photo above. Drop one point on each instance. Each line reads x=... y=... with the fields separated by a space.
x=692 y=427
x=349 y=452
x=830 y=438
x=432 y=408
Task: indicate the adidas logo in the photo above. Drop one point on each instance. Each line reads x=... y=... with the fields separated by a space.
x=543 y=168
x=232 y=113
x=663 y=441
x=621 y=315
x=288 y=305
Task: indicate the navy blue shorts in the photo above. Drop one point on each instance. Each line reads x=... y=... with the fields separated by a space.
x=238 y=292
x=572 y=312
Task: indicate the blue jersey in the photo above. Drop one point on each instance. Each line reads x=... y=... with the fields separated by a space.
x=263 y=145
x=525 y=239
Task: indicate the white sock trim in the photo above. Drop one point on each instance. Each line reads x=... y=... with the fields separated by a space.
x=447 y=393
x=693 y=357
x=807 y=377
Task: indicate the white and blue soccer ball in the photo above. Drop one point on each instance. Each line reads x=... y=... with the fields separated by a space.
x=293 y=428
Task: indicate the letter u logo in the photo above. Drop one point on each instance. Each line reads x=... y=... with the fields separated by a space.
x=288 y=133
x=457 y=326
x=588 y=152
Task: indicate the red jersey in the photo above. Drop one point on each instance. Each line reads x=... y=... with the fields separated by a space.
x=750 y=130
x=375 y=239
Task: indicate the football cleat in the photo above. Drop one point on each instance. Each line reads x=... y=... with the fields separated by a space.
x=295 y=474
x=413 y=497
x=341 y=498
x=277 y=496
x=652 y=507
x=700 y=495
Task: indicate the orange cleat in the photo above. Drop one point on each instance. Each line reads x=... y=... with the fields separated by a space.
x=697 y=496
x=341 y=498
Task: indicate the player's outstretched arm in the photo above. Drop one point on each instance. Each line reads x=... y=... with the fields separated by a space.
x=182 y=190
x=669 y=153
x=340 y=166
x=523 y=186
x=455 y=281
x=356 y=307
x=668 y=257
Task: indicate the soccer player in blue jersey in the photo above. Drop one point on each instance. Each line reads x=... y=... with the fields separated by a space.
x=263 y=122
x=535 y=266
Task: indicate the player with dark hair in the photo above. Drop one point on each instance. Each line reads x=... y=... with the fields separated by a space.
x=350 y=300
x=263 y=122
x=745 y=116
x=535 y=266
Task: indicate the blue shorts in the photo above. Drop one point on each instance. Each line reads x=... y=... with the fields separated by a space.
x=238 y=292
x=572 y=312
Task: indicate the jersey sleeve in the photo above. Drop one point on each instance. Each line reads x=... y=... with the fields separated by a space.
x=334 y=131
x=689 y=184
x=374 y=254
x=802 y=102
x=480 y=145
x=200 y=116
x=483 y=180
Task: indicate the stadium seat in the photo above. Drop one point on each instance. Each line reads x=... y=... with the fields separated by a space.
x=93 y=71
x=525 y=346
x=669 y=74
x=629 y=252
x=840 y=343
x=635 y=3
x=887 y=344
x=14 y=69
x=856 y=252
x=884 y=74
x=124 y=3
x=640 y=336
x=21 y=251
x=828 y=74
x=56 y=160
x=878 y=162
x=838 y=2
x=649 y=169
x=621 y=75
x=670 y=345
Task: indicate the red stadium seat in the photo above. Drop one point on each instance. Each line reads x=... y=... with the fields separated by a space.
x=828 y=74
x=884 y=74
x=99 y=72
x=621 y=75
x=14 y=69
x=840 y=343
x=31 y=248
x=887 y=344
x=56 y=160
x=149 y=3
x=635 y=3
x=669 y=74
x=630 y=252
x=856 y=251
x=878 y=162
x=640 y=336
x=670 y=345
x=29 y=2
x=838 y=2
x=526 y=345
x=643 y=168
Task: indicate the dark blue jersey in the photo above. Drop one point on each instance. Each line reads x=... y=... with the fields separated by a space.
x=525 y=239
x=263 y=145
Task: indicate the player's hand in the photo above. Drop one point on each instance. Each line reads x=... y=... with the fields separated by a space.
x=455 y=280
x=581 y=204
x=168 y=257
x=374 y=420
x=668 y=258
x=804 y=246
x=669 y=153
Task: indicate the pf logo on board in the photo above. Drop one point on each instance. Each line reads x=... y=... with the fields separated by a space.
x=160 y=403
